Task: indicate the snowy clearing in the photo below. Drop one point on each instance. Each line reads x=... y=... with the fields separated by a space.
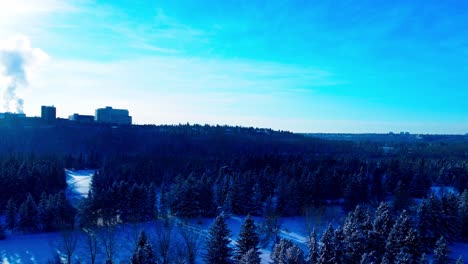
x=39 y=248
x=78 y=182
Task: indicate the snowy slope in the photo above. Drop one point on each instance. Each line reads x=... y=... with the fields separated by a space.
x=39 y=248
x=78 y=182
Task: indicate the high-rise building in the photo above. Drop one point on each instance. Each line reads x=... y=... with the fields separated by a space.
x=113 y=116
x=48 y=113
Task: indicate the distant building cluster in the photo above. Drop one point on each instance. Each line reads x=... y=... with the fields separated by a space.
x=113 y=116
x=107 y=115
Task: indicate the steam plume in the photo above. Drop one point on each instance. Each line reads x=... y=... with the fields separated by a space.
x=16 y=58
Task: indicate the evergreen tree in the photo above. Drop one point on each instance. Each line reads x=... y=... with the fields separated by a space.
x=463 y=212
x=441 y=252
x=286 y=252
x=401 y=236
x=143 y=253
x=460 y=260
x=423 y=259
x=382 y=225
x=356 y=234
x=403 y=257
x=248 y=238
x=11 y=215
x=217 y=244
x=369 y=258
x=328 y=250
x=450 y=220
x=2 y=232
x=383 y=221
x=251 y=257
x=313 y=248
x=295 y=255
x=424 y=225
x=28 y=215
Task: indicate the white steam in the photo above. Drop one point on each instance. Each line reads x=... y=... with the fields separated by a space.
x=17 y=59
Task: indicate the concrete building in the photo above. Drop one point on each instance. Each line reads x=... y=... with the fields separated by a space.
x=113 y=116
x=48 y=113
x=81 y=118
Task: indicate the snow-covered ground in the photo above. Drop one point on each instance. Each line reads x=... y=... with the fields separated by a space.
x=39 y=248
x=78 y=182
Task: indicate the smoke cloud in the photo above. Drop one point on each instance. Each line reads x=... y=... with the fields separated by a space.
x=17 y=59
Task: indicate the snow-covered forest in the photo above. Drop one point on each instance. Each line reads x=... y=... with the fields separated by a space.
x=204 y=194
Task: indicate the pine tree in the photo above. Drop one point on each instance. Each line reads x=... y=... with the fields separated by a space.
x=369 y=258
x=2 y=232
x=143 y=253
x=441 y=252
x=217 y=243
x=463 y=212
x=460 y=260
x=403 y=257
x=382 y=225
x=251 y=257
x=11 y=215
x=424 y=225
x=423 y=259
x=286 y=252
x=383 y=221
x=450 y=224
x=248 y=238
x=328 y=250
x=28 y=215
x=356 y=234
x=313 y=248
x=398 y=237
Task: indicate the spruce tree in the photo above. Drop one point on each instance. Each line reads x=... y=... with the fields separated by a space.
x=369 y=258
x=328 y=250
x=401 y=236
x=143 y=253
x=356 y=234
x=313 y=248
x=441 y=252
x=248 y=238
x=423 y=259
x=383 y=221
x=424 y=225
x=463 y=212
x=217 y=250
x=28 y=215
x=251 y=257
x=2 y=232
x=403 y=257
x=286 y=252
x=11 y=215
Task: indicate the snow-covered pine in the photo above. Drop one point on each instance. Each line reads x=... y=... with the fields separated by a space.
x=143 y=253
x=441 y=252
x=248 y=238
x=217 y=250
x=313 y=248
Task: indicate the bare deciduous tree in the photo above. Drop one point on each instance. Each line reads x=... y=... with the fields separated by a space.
x=163 y=241
x=69 y=240
x=92 y=243
x=107 y=238
x=191 y=241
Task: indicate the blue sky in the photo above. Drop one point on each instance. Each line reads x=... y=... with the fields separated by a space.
x=304 y=66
